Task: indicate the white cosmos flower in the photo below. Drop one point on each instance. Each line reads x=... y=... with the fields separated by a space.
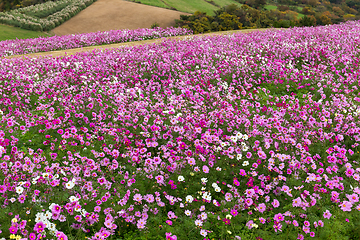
x=181 y=178
x=245 y=163
x=19 y=190
x=73 y=199
x=70 y=185
x=214 y=185
x=187 y=212
x=52 y=227
x=217 y=189
x=198 y=223
x=83 y=212
x=204 y=180
x=189 y=198
x=51 y=206
x=207 y=197
x=48 y=214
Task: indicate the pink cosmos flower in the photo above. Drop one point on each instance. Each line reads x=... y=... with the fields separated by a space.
x=234 y=212
x=275 y=203
x=249 y=224
x=226 y=221
x=56 y=209
x=261 y=207
x=3 y=188
x=169 y=236
x=160 y=179
x=349 y=172
x=327 y=214
x=205 y=169
x=137 y=197
x=249 y=201
x=78 y=218
x=13 y=229
x=32 y=236
x=261 y=154
x=236 y=182
x=297 y=202
x=279 y=217
x=61 y=236
x=39 y=227
x=353 y=198
x=306 y=229
x=321 y=223
x=346 y=206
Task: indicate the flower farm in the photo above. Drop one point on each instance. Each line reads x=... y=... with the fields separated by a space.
x=239 y=136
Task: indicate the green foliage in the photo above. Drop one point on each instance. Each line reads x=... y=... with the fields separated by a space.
x=8 y=32
x=307 y=21
x=154 y=25
x=233 y=17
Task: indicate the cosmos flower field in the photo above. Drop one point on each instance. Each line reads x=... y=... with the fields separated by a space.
x=247 y=136
x=45 y=44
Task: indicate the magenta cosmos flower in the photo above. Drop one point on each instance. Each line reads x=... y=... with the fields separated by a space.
x=39 y=227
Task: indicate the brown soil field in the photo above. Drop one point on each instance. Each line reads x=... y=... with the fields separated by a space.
x=105 y=15
x=118 y=45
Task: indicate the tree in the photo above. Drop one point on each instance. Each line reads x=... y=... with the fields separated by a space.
x=256 y=3
x=313 y=3
x=308 y=21
x=348 y=17
x=338 y=11
x=325 y=20
x=229 y=22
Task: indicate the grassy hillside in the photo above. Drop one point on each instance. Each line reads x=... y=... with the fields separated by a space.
x=8 y=32
x=329 y=11
x=189 y=6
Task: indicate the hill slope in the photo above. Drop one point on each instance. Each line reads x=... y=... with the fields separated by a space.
x=9 y=32
x=189 y=6
x=104 y=15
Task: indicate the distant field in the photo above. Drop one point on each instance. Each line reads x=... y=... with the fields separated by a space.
x=8 y=32
x=270 y=7
x=301 y=15
x=190 y=6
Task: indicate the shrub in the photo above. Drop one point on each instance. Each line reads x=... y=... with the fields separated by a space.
x=155 y=25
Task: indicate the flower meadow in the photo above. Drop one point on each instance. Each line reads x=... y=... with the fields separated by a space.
x=243 y=136
x=44 y=44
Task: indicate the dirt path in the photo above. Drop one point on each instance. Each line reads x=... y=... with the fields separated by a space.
x=104 y=15
x=118 y=45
